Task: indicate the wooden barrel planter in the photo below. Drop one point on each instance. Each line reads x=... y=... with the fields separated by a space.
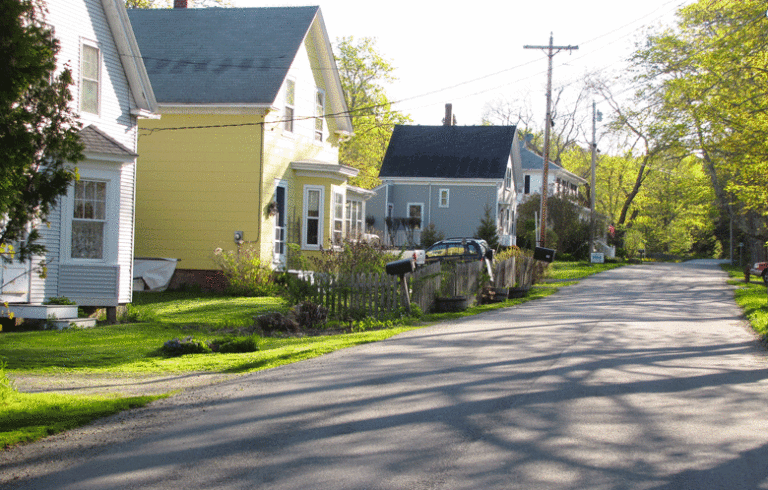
x=456 y=303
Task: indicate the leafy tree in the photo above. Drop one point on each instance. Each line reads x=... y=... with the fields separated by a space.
x=39 y=140
x=487 y=229
x=710 y=74
x=567 y=228
x=363 y=72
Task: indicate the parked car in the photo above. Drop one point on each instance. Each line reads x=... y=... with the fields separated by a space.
x=458 y=250
x=760 y=269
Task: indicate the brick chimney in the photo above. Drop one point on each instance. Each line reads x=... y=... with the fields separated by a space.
x=448 y=121
x=179 y=4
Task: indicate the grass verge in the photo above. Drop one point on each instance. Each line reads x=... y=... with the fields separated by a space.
x=135 y=348
x=751 y=297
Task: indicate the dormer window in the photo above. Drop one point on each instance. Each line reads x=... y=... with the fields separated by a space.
x=89 y=79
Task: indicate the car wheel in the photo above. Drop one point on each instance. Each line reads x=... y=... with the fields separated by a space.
x=765 y=277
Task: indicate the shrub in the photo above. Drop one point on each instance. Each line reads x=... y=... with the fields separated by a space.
x=430 y=235
x=295 y=290
x=59 y=300
x=187 y=345
x=245 y=273
x=234 y=345
x=310 y=315
x=352 y=257
x=273 y=322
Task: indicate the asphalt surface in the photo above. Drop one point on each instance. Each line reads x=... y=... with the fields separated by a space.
x=644 y=377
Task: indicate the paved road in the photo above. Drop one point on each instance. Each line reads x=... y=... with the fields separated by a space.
x=644 y=377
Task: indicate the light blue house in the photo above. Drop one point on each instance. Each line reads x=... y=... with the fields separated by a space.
x=446 y=176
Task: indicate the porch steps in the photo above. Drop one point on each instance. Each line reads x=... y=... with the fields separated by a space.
x=58 y=316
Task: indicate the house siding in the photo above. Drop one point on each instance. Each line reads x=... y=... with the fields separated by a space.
x=196 y=187
x=114 y=116
x=73 y=23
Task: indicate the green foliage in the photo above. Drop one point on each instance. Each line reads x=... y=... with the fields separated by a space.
x=295 y=290
x=352 y=257
x=39 y=138
x=59 y=300
x=566 y=232
x=276 y=322
x=487 y=229
x=310 y=315
x=188 y=345
x=430 y=235
x=7 y=386
x=363 y=72
x=708 y=75
x=235 y=345
x=245 y=273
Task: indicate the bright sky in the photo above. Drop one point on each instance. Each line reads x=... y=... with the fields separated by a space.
x=470 y=53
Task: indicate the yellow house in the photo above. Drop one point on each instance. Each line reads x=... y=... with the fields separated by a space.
x=246 y=149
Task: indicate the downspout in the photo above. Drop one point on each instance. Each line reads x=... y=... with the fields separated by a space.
x=262 y=165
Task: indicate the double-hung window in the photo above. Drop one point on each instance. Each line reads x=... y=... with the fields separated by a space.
x=313 y=217
x=338 y=217
x=445 y=195
x=89 y=79
x=290 y=99
x=319 y=114
x=89 y=219
x=354 y=219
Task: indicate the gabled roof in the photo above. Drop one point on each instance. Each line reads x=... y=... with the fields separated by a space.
x=220 y=55
x=461 y=152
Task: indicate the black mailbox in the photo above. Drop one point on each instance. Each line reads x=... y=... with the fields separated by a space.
x=544 y=254
x=401 y=267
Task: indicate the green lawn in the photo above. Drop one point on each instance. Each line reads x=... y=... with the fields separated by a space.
x=751 y=297
x=135 y=348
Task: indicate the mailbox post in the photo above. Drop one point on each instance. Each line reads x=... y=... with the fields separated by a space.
x=401 y=268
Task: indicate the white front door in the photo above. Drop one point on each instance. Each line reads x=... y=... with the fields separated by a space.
x=279 y=253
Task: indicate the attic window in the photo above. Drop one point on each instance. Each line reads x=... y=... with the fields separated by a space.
x=89 y=79
x=290 y=97
x=319 y=114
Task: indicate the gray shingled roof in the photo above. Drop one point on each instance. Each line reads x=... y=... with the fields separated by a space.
x=461 y=152
x=219 y=55
x=97 y=141
x=531 y=160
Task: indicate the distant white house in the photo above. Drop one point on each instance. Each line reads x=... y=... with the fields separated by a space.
x=561 y=181
x=89 y=244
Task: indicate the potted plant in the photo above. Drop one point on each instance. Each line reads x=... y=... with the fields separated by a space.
x=448 y=297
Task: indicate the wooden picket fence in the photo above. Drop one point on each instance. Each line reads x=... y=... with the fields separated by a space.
x=376 y=295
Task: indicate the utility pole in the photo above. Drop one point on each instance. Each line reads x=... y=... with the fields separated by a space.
x=551 y=52
x=596 y=116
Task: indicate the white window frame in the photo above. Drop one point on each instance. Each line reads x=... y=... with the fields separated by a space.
x=408 y=212
x=319 y=114
x=508 y=179
x=305 y=218
x=111 y=225
x=84 y=45
x=444 y=203
x=289 y=111
x=354 y=218
x=338 y=205
x=527 y=184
